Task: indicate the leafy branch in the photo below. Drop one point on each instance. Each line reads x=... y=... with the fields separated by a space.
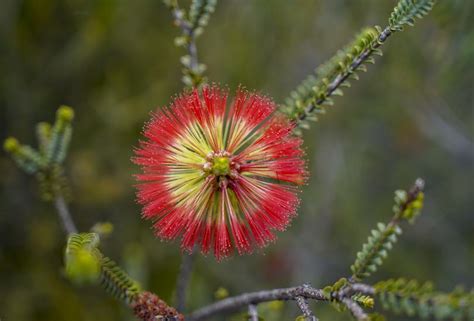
x=53 y=143
x=315 y=92
x=411 y=298
x=407 y=11
x=192 y=24
x=46 y=162
x=199 y=14
x=86 y=264
x=117 y=282
x=407 y=207
x=353 y=297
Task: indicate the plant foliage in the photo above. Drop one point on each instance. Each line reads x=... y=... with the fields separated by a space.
x=407 y=10
x=59 y=136
x=82 y=258
x=117 y=282
x=199 y=14
x=85 y=264
x=191 y=23
x=315 y=92
x=375 y=250
x=380 y=242
x=412 y=298
x=24 y=156
x=46 y=163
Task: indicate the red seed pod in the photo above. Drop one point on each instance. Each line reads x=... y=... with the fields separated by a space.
x=149 y=307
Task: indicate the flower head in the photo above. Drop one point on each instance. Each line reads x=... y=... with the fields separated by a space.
x=220 y=176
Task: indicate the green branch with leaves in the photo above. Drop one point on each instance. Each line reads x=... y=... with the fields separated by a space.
x=315 y=93
x=191 y=24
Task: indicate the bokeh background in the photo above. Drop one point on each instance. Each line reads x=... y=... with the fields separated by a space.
x=114 y=61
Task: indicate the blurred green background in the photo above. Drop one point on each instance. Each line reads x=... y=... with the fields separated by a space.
x=114 y=61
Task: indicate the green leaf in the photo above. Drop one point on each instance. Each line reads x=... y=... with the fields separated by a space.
x=24 y=156
x=60 y=136
x=43 y=134
x=407 y=10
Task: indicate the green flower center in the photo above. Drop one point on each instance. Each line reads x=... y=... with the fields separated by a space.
x=220 y=166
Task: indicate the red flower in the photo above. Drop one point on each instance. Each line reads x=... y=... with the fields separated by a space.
x=221 y=177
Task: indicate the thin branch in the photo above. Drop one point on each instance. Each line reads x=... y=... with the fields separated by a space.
x=238 y=302
x=354 y=308
x=188 y=31
x=253 y=313
x=184 y=277
x=305 y=309
x=345 y=297
x=356 y=288
x=303 y=304
x=64 y=214
x=342 y=77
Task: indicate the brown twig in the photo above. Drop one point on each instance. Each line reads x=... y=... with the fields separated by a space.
x=300 y=294
x=238 y=302
x=303 y=304
x=253 y=313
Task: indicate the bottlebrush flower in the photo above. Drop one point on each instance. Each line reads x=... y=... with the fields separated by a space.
x=222 y=177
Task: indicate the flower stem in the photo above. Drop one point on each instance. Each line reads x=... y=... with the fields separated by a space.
x=184 y=276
